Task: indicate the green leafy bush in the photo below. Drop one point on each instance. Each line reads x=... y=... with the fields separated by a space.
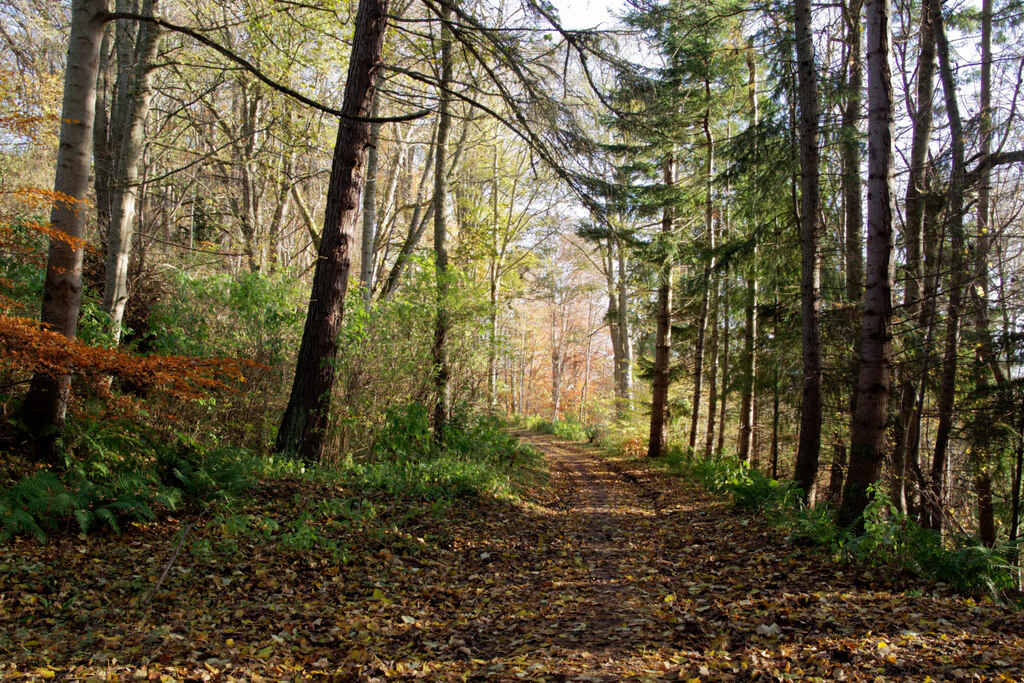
x=477 y=457
x=115 y=475
x=43 y=503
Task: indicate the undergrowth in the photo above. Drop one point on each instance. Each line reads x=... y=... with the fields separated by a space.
x=890 y=539
x=113 y=475
x=568 y=428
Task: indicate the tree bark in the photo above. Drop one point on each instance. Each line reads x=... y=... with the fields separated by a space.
x=808 y=452
x=986 y=360
x=709 y=435
x=304 y=424
x=867 y=438
x=749 y=366
x=129 y=127
x=368 y=237
x=45 y=405
x=851 y=158
x=957 y=274
x=657 y=443
x=702 y=320
x=913 y=239
x=625 y=341
x=749 y=370
x=724 y=396
x=442 y=323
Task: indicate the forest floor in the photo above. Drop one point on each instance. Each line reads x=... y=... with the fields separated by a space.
x=611 y=570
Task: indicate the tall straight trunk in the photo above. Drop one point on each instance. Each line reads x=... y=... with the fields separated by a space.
x=657 y=443
x=957 y=279
x=45 y=405
x=808 y=451
x=774 y=455
x=913 y=239
x=749 y=362
x=492 y=345
x=1015 y=492
x=129 y=126
x=625 y=341
x=712 y=355
x=495 y=271
x=613 y=329
x=723 y=399
x=749 y=369
x=556 y=362
x=102 y=162
x=851 y=158
x=442 y=324
x=369 y=232
x=867 y=438
x=987 y=362
x=709 y=232
x=304 y=424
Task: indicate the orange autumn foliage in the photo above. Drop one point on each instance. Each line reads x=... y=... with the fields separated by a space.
x=26 y=345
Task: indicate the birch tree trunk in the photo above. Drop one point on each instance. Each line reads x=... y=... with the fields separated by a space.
x=442 y=390
x=45 y=405
x=304 y=424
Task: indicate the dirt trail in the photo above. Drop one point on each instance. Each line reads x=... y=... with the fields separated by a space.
x=638 y=575
x=614 y=570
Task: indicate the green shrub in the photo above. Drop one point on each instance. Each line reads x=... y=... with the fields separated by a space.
x=43 y=503
x=477 y=457
x=568 y=428
x=116 y=475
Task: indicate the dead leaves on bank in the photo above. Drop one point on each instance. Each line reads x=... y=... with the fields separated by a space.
x=614 y=572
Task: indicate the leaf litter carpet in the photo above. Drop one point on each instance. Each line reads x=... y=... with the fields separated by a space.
x=612 y=571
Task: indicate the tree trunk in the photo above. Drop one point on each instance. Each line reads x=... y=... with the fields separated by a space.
x=709 y=215
x=304 y=424
x=957 y=279
x=442 y=389
x=102 y=163
x=129 y=127
x=657 y=443
x=613 y=331
x=724 y=396
x=749 y=369
x=851 y=157
x=986 y=360
x=709 y=435
x=913 y=240
x=749 y=366
x=368 y=236
x=45 y=405
x=625 y=342
x=810 y=261
x=867 y=438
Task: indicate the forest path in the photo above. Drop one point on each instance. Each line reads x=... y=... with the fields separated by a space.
x=637 y=574
x=610 y=570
